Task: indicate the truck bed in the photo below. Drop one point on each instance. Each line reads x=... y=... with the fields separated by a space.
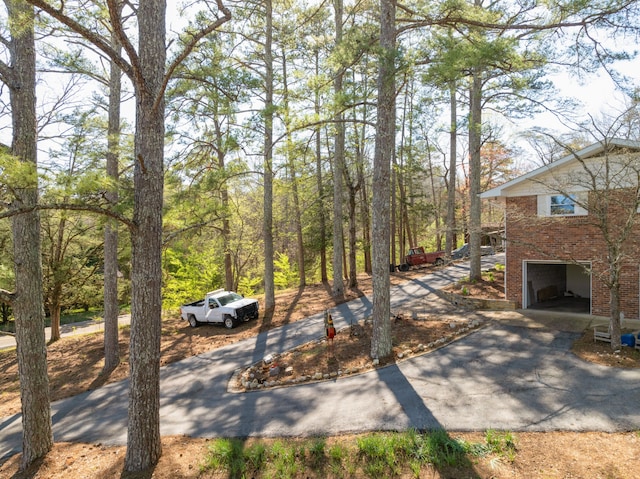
x=200 y=303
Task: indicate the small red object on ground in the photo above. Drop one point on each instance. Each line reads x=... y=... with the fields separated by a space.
x=329 y=328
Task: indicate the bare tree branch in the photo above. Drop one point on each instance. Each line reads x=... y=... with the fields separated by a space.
x=74 y=207
x=96 y=39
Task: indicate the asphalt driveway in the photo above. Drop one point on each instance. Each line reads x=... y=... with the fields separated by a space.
x=506 y=375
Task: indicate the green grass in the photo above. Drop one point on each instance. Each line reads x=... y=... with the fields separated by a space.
x=501 y=443
x=231 y=456
x=337 y=456
x=375 y=455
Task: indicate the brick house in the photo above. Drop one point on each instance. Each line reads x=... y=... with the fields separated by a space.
x=555 y=218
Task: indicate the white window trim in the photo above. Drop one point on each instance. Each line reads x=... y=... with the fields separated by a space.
x=544 y=207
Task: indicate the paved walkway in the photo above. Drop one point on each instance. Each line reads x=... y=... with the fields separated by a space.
x=515 y=373
x=8 y=341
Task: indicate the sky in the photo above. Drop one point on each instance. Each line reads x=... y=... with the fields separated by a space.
x=597 y=94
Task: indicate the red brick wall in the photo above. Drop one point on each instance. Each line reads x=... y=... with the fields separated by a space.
x=577 y=238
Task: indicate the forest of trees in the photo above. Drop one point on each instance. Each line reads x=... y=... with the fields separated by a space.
x=153 y=153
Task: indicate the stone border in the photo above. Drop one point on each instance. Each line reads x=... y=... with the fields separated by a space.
x=478 y=304
x=456 y=334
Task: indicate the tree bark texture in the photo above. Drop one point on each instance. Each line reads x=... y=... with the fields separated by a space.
x=436 y=201
x=321 y=214
x=269 y=286
x=475 y=140
x=353 y=271
x=398 y=204
x=143 y=442
x=338 y=169
x=450 y=243
x=229 y=280
x=366 y=223
x=27 y=305
x=384 y=149
x=55 y=299
x=394 y=225
x=55 y=309
x=111 y=306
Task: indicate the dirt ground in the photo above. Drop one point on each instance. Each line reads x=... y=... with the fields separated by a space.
x=75 y=366
x=349 y=352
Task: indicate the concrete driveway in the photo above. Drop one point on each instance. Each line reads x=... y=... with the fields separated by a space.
x=8 y=341
x=514 y=373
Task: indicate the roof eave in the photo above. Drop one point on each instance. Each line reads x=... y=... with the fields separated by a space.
x=587 y=152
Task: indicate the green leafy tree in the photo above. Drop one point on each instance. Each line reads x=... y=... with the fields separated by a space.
x=188 y=275
x=285 y=276
x=69 y=248
x=205 y=102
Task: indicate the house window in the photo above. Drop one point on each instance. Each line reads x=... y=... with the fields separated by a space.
x=562 y=205
x=557 y=204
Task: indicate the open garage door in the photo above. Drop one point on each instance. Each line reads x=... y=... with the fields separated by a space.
x=557 y=286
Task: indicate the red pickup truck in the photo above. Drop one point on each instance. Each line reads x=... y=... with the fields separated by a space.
x=417 y=256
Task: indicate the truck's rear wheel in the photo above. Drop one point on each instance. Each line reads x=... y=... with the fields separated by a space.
x=439 y=261
x=193 y=322
x=229 y=322
x=403 y=267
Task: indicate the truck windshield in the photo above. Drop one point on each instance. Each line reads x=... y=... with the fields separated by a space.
x=228 y=298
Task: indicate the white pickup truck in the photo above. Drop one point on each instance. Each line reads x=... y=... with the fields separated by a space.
x=220 y=306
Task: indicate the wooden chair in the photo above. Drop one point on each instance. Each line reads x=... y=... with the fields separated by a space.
x=600 y=333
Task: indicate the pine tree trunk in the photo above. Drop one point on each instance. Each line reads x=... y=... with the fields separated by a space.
x=322 y=224
x=56 y=291
x=396 y=232
x=54 y=313
x=475 y=138
x=229 y=279
x=111 y=305
x=269 y=286
x=28 y=310
x=143 y=442
x=450 y=243
x=366 y=223
x=338 y=171
x=436 y=202
x=384 y=149
x=299 y=236
x=353 y=271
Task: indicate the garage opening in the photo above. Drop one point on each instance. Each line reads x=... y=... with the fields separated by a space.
x=557 y=286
